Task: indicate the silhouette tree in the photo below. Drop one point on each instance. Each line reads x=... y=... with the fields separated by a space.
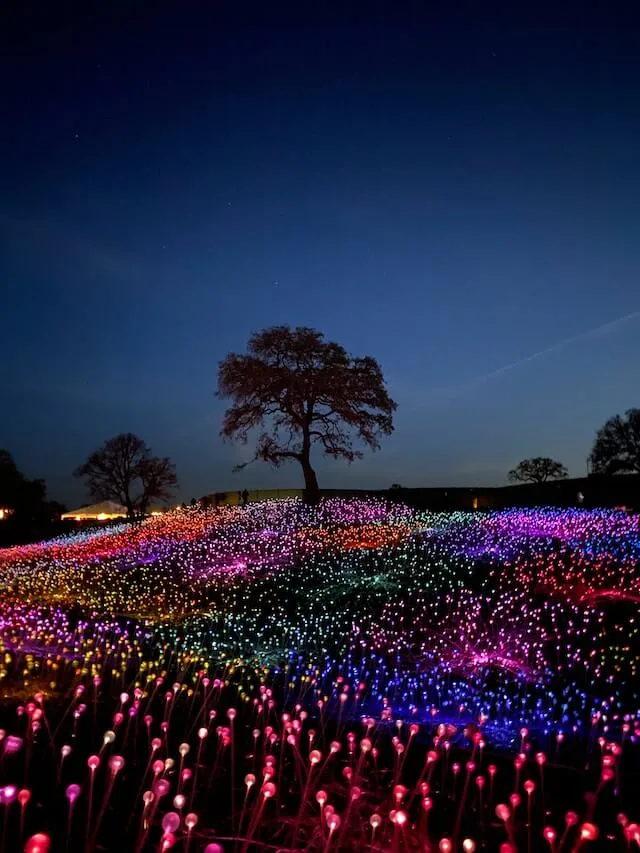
x=12 y=482
x=124 y=470
x=303 y=390
x=616 y=449
x=25 y=497
x=538 y=470
x=30 y=513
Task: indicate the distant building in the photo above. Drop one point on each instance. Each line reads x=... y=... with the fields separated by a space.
x=105 y=511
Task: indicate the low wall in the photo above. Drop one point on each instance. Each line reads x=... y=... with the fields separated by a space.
x=235 y=498
x=595 y=491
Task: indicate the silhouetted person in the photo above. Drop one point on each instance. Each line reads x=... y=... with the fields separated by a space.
x=245 y=497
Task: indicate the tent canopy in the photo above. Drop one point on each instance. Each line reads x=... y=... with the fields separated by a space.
x=102 y=512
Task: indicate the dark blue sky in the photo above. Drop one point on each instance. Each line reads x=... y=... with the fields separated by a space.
x=450 y=193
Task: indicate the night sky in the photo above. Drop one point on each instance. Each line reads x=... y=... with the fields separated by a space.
x=457 y=195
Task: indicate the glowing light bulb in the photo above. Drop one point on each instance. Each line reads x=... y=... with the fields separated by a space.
x=170 y=822
x=72 y=793
x=116 y=763
x=38 y=843
x=503 y=812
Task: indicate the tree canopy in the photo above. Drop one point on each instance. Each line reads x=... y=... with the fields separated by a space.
x=125 y=470
x=539 y=469
x=302 y=390
x=616 y=449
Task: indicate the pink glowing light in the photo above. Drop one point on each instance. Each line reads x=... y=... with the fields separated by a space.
x=72 y=793
x=170 y=822
x=116 y=763
x=38 y=843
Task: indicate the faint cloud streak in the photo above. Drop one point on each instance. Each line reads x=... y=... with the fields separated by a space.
x=565 y=342
x=453 y=393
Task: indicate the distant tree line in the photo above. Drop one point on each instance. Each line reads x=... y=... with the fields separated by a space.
x=23 y=502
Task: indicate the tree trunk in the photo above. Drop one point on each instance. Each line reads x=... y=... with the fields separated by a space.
x=311 y=491
x=130 y=508
x=311 y=494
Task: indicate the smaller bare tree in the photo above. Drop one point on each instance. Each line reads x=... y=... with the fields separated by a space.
x=125 y=470
x=539 y=469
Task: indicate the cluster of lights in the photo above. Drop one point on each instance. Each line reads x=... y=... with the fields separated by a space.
x=342 y=638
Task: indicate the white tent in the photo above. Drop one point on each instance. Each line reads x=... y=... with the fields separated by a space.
x=105 y=511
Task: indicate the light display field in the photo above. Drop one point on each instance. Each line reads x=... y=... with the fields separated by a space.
x=358 y=676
